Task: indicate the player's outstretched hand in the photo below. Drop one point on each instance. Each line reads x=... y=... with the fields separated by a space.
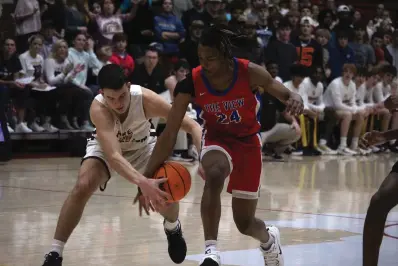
x=153 y=194
x=391 y=103
x=142 y=204
x=371 y=139
x=295 y=105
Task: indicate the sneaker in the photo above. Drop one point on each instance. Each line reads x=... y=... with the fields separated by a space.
x=273 y=256
x=86 y=126
x=177 y=246
x=50 y=128
x=36 y=127
x=360 y=151
x=52 y=259
x=22 y=128
x=211 y=258
x=346 y=151
x=326 y=150
x=9 y=128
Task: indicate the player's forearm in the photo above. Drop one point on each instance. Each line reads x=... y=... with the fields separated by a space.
x=391 y=134
x=279 y=91
x=124 y=168
x=163 y=149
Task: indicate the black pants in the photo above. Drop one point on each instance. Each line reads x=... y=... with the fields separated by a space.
x=5 y=142
x=74 y=101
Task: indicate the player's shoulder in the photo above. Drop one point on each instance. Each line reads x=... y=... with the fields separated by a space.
x=99 y=112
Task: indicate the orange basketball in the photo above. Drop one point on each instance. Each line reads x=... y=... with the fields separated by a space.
x=178 y=181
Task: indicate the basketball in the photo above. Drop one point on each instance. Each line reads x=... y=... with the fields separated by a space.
x=178 y=181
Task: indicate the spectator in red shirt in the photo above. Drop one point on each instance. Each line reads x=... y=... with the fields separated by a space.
x=120 y=56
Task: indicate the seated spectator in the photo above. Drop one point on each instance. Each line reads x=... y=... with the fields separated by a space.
x=381 y=52
x=340 y=105
x=120 y=56
x=60 y=72
x=104 y=54
x=75 y=19
x=184 y=148
x=32 y=67
x=150 y=74
x=195 y=13
x=84 y=59
x=10 y=68
x=322 y=36
x=48 y=33
x=298 y=73
x=312 y=87
x=393 y=49
x=340 y=54
x=109 y=23
x=254 y=50
x=363 y=52
x=282 y=51
x=27 y=22
x=273 y=70
x=169 y=29
x=189 y=47
x=278 y=129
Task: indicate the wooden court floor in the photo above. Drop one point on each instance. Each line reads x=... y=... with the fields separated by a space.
x=319 y=204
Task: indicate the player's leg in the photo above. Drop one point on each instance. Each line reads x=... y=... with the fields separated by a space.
x=177 y=247
x=345 y=117
x=330 y=121
x=385 y=119
x=244 y=185
x=217 y=165
x=92 y=174
x=380 y=205
x=359 y=119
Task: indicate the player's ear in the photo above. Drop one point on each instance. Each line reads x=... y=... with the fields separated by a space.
x=128 y=85
x=101 y=91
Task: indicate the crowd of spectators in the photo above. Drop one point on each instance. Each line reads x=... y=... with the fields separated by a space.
x=340 y=61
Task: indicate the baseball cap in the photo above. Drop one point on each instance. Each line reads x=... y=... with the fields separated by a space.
x=307 y=20
x=343 y=8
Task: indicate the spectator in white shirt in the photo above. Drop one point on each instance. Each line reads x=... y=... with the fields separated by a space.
x=32 y=67
x=339 y=99
x=312 y=87
x=60 y=72
x=383 y=88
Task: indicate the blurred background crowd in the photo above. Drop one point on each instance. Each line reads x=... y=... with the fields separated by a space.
x=340 y=59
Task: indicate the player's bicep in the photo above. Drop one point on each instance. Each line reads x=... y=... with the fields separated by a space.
x=106 y=137
x=260 y=77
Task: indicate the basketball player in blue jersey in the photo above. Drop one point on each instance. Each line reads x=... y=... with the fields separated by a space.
x=123 y=142
x=384 y=199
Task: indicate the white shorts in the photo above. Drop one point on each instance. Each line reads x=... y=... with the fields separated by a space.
x=137 y=158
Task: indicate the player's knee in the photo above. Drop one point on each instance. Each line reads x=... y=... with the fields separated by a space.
x=85 y=186
x=243 y=223
x=216 y=174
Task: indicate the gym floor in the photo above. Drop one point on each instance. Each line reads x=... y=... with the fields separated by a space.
x=318 y=204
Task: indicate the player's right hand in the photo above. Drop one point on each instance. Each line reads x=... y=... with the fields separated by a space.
x=153 y=194
x=391 y=103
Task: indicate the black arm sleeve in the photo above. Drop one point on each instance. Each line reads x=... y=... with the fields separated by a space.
x=185 y=86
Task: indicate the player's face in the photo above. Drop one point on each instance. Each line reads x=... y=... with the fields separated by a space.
x=273 y=69
x=118 y=101
x=210 y=59
x=317 y=76
x=348 y=75
x=372 y=80
x=388 y=78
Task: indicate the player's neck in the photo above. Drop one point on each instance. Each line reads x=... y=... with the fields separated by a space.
x=223 y=80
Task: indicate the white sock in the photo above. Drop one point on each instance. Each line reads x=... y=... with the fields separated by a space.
x=322 y=142
x=268 y=244
x=57 y=246
x=169 y=226
x=343 y=142
x=210 y=246
x=354 y=143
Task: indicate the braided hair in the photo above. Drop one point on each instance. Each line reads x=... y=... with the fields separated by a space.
x=223 y=39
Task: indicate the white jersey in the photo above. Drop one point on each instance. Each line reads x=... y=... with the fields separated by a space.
x=134 y=132
x=314 y=94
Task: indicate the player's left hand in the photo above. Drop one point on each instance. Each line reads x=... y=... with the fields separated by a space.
x=371 y=139
x=391 y=102
x=143 y=203
x=294 y=104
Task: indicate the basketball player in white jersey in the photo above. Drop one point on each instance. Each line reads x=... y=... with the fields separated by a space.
x=122 y=142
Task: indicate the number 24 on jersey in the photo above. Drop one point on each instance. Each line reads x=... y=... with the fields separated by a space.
x=234 y=117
